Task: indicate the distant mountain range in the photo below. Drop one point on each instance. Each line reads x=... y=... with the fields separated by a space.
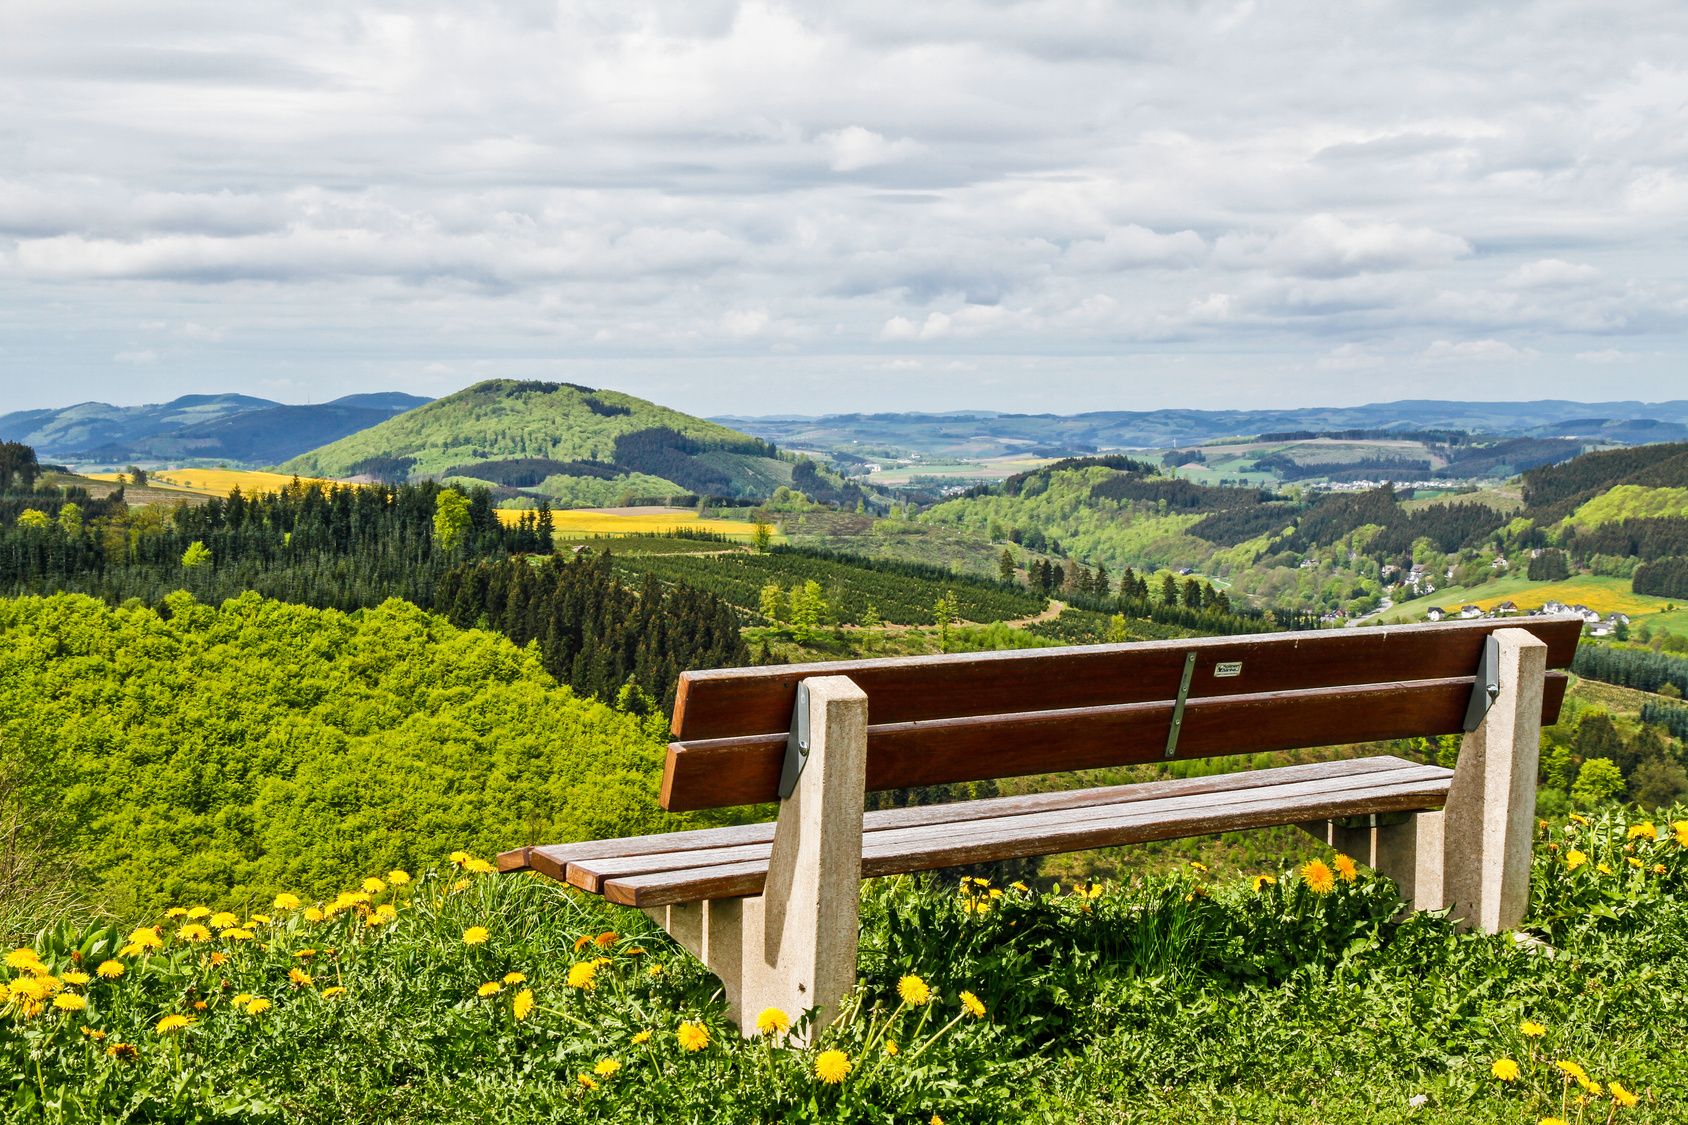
x=237 y=430
x=974 y=434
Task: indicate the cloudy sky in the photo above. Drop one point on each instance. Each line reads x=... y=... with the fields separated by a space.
x=878 y=205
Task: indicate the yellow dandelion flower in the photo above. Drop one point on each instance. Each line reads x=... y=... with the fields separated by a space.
x=93 y=1033
x=373 y=885
x=1632 y=861
x=655 y=969
x=975 y=1007
x=194 y=932
x=398 y=877
x=1262 y=881
x=515 y=978
x=1551 y=1121
x=606 y=1067
x=581 y=974
x=258 y=920
x=606 y=939
x=641 y=1038
x=218 y=959
x=1622 y=1096
x=936 y=1120
x=240 y=998
x=1643 y=831
x=300 y=978
x=1019 y=886
x=458 y=859
x=772 y=1020
x=199 y=912
x=1679 y=829
x=1659 y=869
x=692 y=1036
x=588 y=1081
x=1574 y=859
x=314 y=914
x=70 y=1002
x=77 y=977
x=223 y=920
x=1346 y=870
x=27 y=959
x=172 y=1023
x=1532 y=1030
x=832 y=1066
x=480 y=867
x=1504 y=1069
x=257 y=1006
x=1578 y=818
x=176 y=912
x=1318 y=877
x=123 y=1051
x=522 y=1007
x=331 y=993
x=146 y=938
x=1199 y=866
x=1604 y=869
x=582 y=942
x=913 y=990
x=285 y=901
x=239 y=934
x=475 y=935
x=891 y=1048
x=304 y=954
x=490 y=988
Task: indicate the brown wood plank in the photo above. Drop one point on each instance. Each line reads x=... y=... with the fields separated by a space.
x=742 y=701
x=923 y=849
x=554 y=858
x=980 y=820
x=743 y=771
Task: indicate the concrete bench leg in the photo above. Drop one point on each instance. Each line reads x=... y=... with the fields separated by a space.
x=1473 y=857
x=793 y=947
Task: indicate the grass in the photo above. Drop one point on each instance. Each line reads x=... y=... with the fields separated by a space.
x=463 y=996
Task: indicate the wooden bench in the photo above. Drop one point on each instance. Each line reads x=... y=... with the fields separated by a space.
x=772 y=908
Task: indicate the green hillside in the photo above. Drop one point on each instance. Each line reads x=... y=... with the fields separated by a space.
x=577 y=446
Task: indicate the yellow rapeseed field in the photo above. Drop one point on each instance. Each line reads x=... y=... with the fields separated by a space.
x=220 y=481
x=658 y=521
x=1603 y=595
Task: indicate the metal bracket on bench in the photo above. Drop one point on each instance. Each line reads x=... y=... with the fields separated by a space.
x=1178 y=704
x=1487 y=687
x=796 y=743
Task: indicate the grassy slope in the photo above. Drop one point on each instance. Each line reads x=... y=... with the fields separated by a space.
x=488 y=422
x=1631 y=501
x=1173 y=999
x=1602 y=593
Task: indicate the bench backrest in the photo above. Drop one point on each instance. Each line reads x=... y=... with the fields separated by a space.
x=967 y=717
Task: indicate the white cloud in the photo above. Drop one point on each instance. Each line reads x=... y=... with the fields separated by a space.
x=1350 y=357
x=138 y=357
x=744 y=323
x=1497 y=350
x=853 y=148
x=1606 y=356
x=1132 y=246
x=1324 y=245
x=1550 y=272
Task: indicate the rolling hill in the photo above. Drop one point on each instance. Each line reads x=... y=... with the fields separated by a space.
x=574 y=445
x=220 y=429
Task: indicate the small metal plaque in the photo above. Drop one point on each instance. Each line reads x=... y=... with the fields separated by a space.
x=1228 y=668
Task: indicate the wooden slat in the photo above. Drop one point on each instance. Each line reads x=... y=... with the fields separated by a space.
x=929 y=847
x=735 y=702
x=587 y=863
x=742 y=771
x=967 y=819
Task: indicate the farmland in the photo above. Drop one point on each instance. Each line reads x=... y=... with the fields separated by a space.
x=217 y=482
x=1600 y=593
x=898 y=595
x=635 y=521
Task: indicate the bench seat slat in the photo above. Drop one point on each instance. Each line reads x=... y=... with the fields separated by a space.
x=554 y=859
x=917 y=847
x=973 y=822
x=745 y=770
